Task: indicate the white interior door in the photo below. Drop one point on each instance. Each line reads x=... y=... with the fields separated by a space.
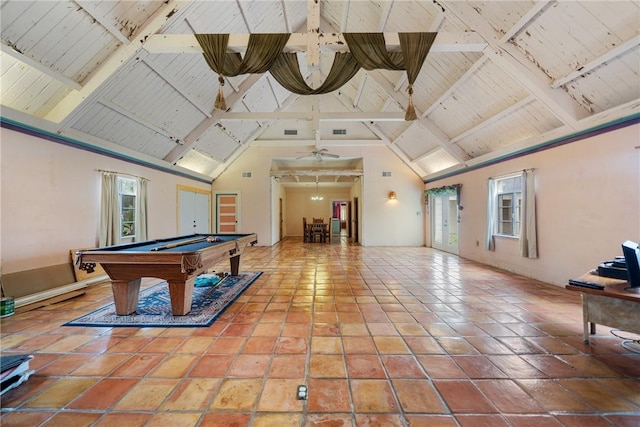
x=194 y=212
x=444 y=222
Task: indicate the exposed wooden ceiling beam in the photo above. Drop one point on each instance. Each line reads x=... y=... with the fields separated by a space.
x=11 y=51
x=495 y=118
x=439 y=137
x=299 y=42
x=108 y=67
x=536 y=9
x=384 y=15
x=192 y=137
x=179 y=87
x=313 y=35
x=519 y=67
x=311 y=142
x=455 y=86
x=316 y=172
x=384 y=139
x=609 y=55
x=128 y=114
x=338 y=116
x=92 y=11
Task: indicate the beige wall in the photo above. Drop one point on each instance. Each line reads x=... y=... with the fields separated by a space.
x=387 y=222
x=50 y=196
x=588 y=203
x=299 y=205
x=382 y=223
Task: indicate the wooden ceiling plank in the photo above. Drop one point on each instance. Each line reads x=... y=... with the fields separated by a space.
x=9 y=50
x=384 y=17
x=401 y=81
x=273 y=92
x=521 y=69
x=531 y=14
x=287 y=24
x=244 y=16
x=198 y=131
x=73 y=100
x=90 y=8
x=175 y=84
x=356 y=99
x=345 y=17
x=244 y=145
x=495 y=118
x=426 y=154
x=454 y=87
x=609 y=55
x=128 y=114
x=440 y=138
x=384 y=139
x=310 y=142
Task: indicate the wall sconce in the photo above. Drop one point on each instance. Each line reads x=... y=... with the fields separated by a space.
x=391 y=195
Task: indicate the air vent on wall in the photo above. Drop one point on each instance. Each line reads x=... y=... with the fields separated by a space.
x=290 y=132
x=246 y=174
x=386 y=173
x=339 y=131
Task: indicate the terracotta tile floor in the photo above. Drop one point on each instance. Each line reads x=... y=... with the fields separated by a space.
x=381 y=337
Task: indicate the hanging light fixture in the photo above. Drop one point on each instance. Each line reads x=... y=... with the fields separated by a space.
x=317 y=196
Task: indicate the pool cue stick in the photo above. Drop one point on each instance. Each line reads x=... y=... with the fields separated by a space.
x=175 y=245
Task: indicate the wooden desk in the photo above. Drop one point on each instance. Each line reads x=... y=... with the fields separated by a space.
x=613 y=306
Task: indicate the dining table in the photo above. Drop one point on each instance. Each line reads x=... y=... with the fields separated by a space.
x=317 y=232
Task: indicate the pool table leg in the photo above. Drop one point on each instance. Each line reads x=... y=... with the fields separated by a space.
x=235 y=264
x=181 y=293
x=125 y=295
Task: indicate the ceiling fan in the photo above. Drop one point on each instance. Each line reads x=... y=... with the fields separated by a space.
x=319 y=154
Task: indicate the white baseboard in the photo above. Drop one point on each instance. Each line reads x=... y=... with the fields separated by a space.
x=59 y=290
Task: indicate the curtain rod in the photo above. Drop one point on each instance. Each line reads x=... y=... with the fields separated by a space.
x=124 y=174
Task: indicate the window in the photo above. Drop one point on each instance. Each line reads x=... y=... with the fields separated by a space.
x=127 y=202
x=509 y=205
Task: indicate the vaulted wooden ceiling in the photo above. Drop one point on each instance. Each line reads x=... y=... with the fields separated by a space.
x=502 y=77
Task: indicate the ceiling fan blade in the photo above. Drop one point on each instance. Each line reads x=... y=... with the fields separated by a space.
x=333 y=156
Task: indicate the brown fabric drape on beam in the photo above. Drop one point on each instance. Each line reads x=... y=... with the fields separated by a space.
x=262 y=51
x=415 y=48
x=370 y=51
x=286 y=70
x=367 y=50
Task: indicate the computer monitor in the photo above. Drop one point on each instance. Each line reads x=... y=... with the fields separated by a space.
x=631 y=252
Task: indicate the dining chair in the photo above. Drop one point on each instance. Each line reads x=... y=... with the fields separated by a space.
x=305 y=230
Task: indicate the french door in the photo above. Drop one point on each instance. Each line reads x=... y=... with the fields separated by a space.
x=444 y=222
x=194 y=211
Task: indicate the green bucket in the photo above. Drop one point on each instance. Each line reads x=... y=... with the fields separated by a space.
x=6 y=306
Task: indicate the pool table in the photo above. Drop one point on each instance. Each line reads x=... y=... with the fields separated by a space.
x=178 y=260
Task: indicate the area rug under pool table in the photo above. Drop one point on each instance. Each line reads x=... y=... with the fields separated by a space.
x=154 y=306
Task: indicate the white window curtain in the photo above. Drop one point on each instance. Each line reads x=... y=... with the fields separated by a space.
x=109 y=211
x=528 y=240
x=489 y=242
x=141 y=210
